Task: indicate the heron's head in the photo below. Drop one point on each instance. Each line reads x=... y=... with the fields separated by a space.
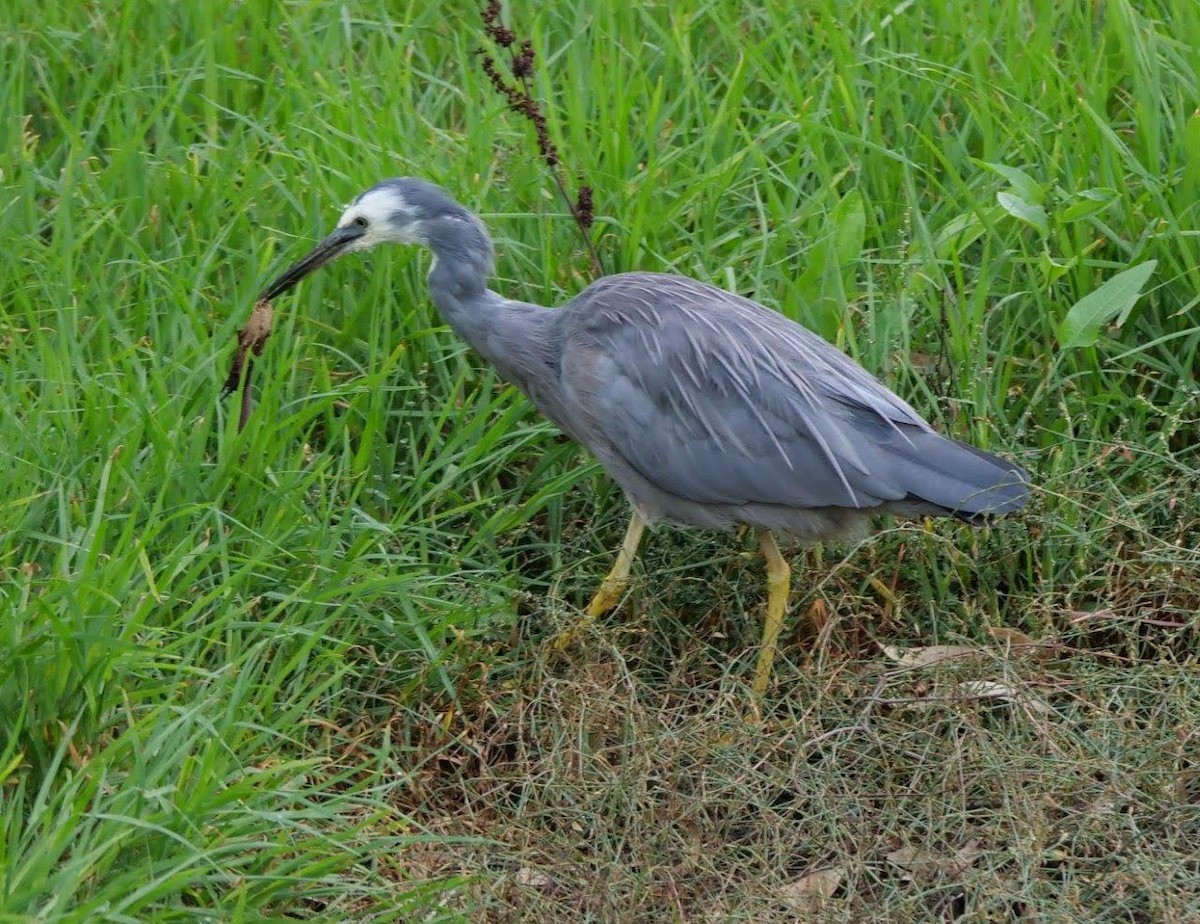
x=404 y=210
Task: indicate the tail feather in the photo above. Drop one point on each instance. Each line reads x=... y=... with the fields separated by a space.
x=963 y=480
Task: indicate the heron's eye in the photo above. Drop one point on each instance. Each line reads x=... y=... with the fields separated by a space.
x=359 y=222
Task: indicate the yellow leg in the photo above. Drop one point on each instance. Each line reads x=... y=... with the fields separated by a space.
x=613 y=585
x=779 y=584
x=615 y=582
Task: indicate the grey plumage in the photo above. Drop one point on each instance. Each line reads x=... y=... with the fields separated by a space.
x=708 y=409
x=732 y=413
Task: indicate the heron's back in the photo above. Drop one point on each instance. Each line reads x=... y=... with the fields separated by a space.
x=710 y=409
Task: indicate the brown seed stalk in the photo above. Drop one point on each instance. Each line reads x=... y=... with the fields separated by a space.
x=519 y=95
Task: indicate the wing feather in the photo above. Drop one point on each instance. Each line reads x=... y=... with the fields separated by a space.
x=718 y=400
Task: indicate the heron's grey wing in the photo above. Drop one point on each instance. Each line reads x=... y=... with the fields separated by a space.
x=718 y=400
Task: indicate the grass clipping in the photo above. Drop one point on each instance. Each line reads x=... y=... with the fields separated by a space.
x=251 y=340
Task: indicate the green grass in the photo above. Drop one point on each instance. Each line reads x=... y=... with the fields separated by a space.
x=300 y=672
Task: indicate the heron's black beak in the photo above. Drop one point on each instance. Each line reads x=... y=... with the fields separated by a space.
x=323 y=253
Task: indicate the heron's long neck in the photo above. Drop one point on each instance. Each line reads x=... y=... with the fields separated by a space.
x=516 y=337
x=521 y=340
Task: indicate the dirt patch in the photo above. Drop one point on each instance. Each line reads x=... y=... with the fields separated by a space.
x=1022 y=783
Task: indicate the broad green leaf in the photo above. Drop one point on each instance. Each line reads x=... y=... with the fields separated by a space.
x=962 y=231
x=1080 y=208
x=965 y=226
x=1028 y=212
x=1087 y=202
x=1117 y=296
x=1023 y=184
x=1052 y=269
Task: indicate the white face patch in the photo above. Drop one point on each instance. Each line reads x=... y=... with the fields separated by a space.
x=378 y=209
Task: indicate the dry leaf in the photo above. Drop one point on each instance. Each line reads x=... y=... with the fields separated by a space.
x=810 y=892
x=534 y=878
x=817 y=616
x=990 y=689
x=911 y=857
x=926 y=657
x=1077 y=616
x=1017 y=642
x=925 y=862
x=966 y=857
x=1013 y=637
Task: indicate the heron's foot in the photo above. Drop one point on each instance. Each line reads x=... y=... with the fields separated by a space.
x=612 y=589
x=570 y=636
x=573 y=634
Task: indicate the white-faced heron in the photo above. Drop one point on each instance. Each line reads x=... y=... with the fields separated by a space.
x=708 y=409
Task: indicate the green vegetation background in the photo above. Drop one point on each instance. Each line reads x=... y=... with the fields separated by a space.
x=221 y=654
